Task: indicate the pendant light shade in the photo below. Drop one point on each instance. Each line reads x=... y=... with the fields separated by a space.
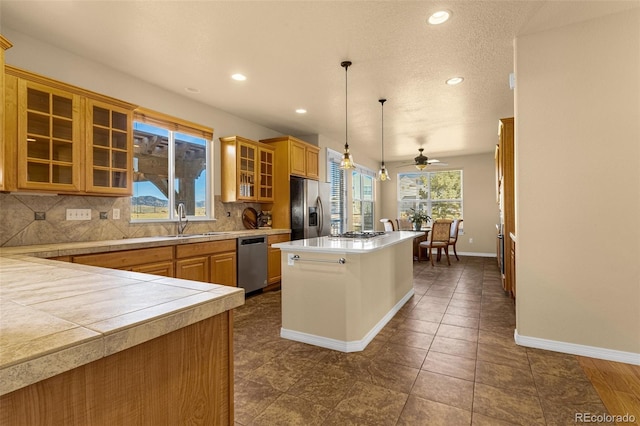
x=347 y=159
x=383 y=174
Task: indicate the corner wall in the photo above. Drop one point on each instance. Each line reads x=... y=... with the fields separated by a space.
x=578 y=188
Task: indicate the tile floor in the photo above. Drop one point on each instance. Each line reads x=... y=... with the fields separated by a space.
x=447 y=358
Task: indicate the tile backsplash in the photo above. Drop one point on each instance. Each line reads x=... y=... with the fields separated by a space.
x=41 y=219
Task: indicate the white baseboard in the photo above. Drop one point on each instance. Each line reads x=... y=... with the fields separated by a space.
x=470 y=253
x=575 y=349
x=341 y=345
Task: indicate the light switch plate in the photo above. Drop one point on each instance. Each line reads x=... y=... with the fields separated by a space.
x=78 y=214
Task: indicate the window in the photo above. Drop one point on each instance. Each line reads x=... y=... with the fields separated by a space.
x=338 y=192
x=360 y=216
x=172 y=165
x=362 y=183
x=437 y=193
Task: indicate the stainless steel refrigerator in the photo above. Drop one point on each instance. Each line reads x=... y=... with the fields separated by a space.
x=310 y=209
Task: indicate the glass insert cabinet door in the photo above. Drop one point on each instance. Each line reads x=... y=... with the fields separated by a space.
x=48 y=138
x=109 y=149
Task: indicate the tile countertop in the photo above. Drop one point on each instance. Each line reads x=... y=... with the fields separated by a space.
x=56 y=316
x=347 y=245
x=88 y=247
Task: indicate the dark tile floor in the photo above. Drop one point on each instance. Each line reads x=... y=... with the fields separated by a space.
x=447 y=358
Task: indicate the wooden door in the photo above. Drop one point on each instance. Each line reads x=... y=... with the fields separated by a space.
x=195 y=268
x=297 y=159
x=49 y=154
x=246 y=177
x=109 y=154
x=313 y=157
x=223 y=269
x=265 y=174
x=164 y=269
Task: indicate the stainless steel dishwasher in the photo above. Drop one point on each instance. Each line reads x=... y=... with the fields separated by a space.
x=252 y=263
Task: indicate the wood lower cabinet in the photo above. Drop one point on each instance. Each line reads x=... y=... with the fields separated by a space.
x=212 y=262
x=184 y=377
x=195 y=268
x=157 y=258
x=223 y=268
x=274 y=268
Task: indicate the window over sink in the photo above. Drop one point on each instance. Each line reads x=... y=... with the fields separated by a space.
x=172 y=164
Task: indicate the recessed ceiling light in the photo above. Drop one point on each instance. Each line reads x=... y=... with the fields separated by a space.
x=239 y=77
x=455 y=80
x=439 y=17
x=301 y=111
x=192 y=90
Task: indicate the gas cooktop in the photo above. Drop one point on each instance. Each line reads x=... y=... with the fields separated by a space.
x=357 y=235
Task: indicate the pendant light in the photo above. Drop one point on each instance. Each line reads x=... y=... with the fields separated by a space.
x=383 y=174
x=347 y=160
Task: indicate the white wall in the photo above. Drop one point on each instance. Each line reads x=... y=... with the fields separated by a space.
x=36 y=56
x=480 y=210
x=578 y=186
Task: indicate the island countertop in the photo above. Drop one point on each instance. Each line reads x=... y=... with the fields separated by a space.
x=56 y=316
x=347 y=245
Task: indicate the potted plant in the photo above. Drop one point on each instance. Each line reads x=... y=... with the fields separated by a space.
x=417 y=217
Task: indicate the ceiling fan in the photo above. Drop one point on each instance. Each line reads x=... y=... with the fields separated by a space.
x=422 y=161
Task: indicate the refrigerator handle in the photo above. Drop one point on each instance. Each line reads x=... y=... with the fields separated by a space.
x=321 y=216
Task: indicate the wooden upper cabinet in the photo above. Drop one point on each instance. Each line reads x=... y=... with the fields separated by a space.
x=300 y=157
x=266 y=181
x=109 y=149
x=4 y=45
x=313 y=160
x=63 y=139
x=247 y=170
x=297 y=158
x=49 y=138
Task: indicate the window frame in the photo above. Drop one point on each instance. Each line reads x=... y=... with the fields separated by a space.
x=175 y=127
x=428 y=200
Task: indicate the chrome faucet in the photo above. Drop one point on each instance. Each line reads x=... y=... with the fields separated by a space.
x=182 y=218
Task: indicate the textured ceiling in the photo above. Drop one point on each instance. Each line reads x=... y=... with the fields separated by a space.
x=291 y=53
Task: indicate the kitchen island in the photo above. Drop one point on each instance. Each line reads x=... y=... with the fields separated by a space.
x=87 y=345
x=339 y=293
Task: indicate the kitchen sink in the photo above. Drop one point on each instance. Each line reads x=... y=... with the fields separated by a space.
x=205 y=234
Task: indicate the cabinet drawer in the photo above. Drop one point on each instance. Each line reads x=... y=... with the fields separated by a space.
x=278 y=238
x=125 y=258
x=200 y=249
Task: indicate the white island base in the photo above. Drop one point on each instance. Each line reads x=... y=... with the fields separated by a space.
x=343 y=306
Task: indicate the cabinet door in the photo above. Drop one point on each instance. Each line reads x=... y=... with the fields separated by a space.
x=196 y=269
x=164 y=269
x=313 y=157
x=247 y=166
x=223 y=269
x=48 y=138
x=265 y=172
x=109 y=168
x=297 y=159
x=274 y=267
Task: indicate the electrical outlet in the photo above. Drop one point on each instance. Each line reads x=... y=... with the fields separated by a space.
x=116 y=214
x=290 y=260
x=78 y=214
x=239 y=213
x=470 y=240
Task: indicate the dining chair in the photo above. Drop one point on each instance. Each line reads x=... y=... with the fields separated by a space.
x=404 y=224
x=438 y=238
x=388 y=224
x=453 y=238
